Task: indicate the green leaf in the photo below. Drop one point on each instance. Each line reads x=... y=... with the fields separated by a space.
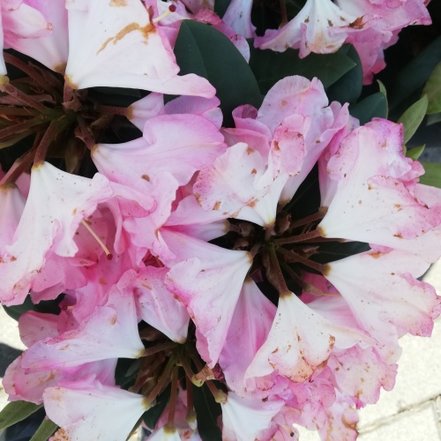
x=432 y=176
x=15 y=412
x=433 y=90
x=45 y=430
x=220 y=7
x=382 y=89
x=434 y=118
x=348 y=88
x=207 y=413
x=269 y=66
x=410 y=79
x=415 y=152
x=45 y=306
x=203 y=50
x=413 y=117
x=373 y=106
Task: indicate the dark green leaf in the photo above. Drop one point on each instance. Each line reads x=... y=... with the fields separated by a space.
x=432 y=176
x=269 y=66
x=415 y=74
x=330 y=251
x=16 y=411
x=413 y=117
x=433 y=90
x=49 y=306
x=348 y=88
x=207 y=413
x=374 y=105
x=205 y=51
x=220 y=7
x=46 y=429
x=416 y=152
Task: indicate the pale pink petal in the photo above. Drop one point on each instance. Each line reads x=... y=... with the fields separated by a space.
x=51 y=48
x=56 y=205
x=90 y=410
x=191 y=219
x=35 y=326
x=374 y=200
x=243 y=419
x=238 y=17
x=320 y=27
x=248 y=330
x=12 y=203
x=148 y=107
x=111 y=332
x=244 y=185
x=291 y=95
x=29 y=383
x=207 y=280
x=299 y=341
x=118 y=46
x=165 y=434
x=158 y=306
x=177 y=144
x=361 y=373
x=393 y=302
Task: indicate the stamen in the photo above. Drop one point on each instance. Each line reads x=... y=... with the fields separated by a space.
x=274 y=273
x=173 y=398
x=293 y=257
x=166 y=13
x=298 y=237
x=96 y=237
x=318 y=215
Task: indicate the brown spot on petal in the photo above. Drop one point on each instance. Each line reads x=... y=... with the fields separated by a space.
x=375 y=254
x=398 y=235
x=249 y=150
x=113 y=320
x=131 y=27
x=60 y=435
x=331 y=342
x=357 y=23
x=146 y=178
x=217 y=205
x=253 y=171
x=118 y=3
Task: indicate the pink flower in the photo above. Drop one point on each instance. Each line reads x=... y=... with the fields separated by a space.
x=88 y=410
x=118 y=45
x=56 y=205
x=320 y=27
x=207 y=279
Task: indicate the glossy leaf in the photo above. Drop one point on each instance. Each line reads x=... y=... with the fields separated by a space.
x=348 y=88
x=207 y=413
x=413 y=117
x=432 y=176
x=46 y=429
x=15 y=412
x=433 y=90
x=269 y=66
x=410 y=79
x=373 y=106
x=203 y=50
x=416 y=152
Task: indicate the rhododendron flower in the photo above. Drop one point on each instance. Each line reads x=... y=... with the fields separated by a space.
x=184 y=271
x=90 y=410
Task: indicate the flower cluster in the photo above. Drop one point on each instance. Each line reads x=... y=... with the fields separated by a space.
x=179 y=269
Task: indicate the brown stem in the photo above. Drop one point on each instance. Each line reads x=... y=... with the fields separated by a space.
x=293 y=257
x=298 y=237
x=274 y=273
x=318 y=215
x=22 y=97
x=18 y=167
